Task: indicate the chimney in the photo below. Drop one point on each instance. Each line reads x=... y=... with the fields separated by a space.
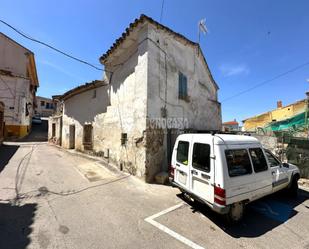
x=279 y=104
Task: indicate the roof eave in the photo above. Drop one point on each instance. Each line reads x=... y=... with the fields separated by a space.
x=81 y=89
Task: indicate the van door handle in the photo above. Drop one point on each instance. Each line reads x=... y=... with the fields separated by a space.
x=205 y=176
x=177 y=165
x=194 y=172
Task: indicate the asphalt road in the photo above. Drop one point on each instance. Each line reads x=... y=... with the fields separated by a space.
x=38 y=133
x=54 y=199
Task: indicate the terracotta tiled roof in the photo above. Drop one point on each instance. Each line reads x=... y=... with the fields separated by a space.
x=141 y=20
x=230 y=123
x=82 y=88
x=133 y=25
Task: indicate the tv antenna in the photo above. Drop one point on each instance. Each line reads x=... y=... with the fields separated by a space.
x=202 y=28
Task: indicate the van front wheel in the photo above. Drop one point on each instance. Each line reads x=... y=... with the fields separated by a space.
x=236 y=212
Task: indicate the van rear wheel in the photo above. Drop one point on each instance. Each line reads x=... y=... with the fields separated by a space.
x=235 y=213
x=293 y=188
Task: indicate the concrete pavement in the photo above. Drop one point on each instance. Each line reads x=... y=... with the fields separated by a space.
x=68 y=201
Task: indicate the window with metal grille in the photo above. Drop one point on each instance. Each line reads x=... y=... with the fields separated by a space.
x=182 y=86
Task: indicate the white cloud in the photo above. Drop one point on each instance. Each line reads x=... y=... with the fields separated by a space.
x=232 y=70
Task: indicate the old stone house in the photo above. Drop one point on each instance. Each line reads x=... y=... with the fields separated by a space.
x=156 y=85
x=18 y=85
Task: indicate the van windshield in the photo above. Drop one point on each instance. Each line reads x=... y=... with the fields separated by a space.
x=238 y=162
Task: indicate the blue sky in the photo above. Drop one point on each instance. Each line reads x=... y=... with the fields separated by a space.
x=248 y=42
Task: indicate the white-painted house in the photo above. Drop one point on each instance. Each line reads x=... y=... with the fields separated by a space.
x=18 y=85
x=156 y=85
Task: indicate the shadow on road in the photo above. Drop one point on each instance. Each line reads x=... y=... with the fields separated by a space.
x=39 y=133
x=6 y=153
x=15 y=225
x=260 y=216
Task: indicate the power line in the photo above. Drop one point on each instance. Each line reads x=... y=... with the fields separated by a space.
x=51 y=47
x=266 y=81
x=162 y=7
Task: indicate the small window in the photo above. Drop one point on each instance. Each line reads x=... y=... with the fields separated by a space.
x=201 y=156
x=273 y=161
x=182 y=152
x=258 y=160
x=42 y=103
x=94 y=95
x=238 y=162
x=47 y=105
x=182 y=86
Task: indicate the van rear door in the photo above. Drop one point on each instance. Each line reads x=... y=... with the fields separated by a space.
x=201 y=169
x=181 y=161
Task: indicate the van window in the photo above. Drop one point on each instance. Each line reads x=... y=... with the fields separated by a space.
x=201 y=156
x=273 y=161
x=258 y=160
x=238 y=162
x=182 y=152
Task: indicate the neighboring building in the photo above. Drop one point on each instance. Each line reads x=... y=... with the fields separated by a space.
x=45 y=107
x=18 y=84
x=157 y=84
x=55 y=121
x=279 y=114
x=230 y=126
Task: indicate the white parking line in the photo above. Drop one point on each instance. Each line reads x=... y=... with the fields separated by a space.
x=170 y=232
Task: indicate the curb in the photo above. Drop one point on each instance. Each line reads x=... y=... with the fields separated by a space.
x=99 y=160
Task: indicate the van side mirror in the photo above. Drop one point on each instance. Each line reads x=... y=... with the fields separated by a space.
x=286 y=165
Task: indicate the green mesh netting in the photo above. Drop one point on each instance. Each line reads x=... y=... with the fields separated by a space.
x=295 y=122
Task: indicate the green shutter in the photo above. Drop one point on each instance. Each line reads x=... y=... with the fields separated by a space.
x=182 y=85
x=184 y=91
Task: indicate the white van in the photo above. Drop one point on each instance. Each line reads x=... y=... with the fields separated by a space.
x=228 y=171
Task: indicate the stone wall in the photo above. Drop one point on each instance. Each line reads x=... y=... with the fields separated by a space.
x=295 y=151
x=200 y=111
x=126 y=113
